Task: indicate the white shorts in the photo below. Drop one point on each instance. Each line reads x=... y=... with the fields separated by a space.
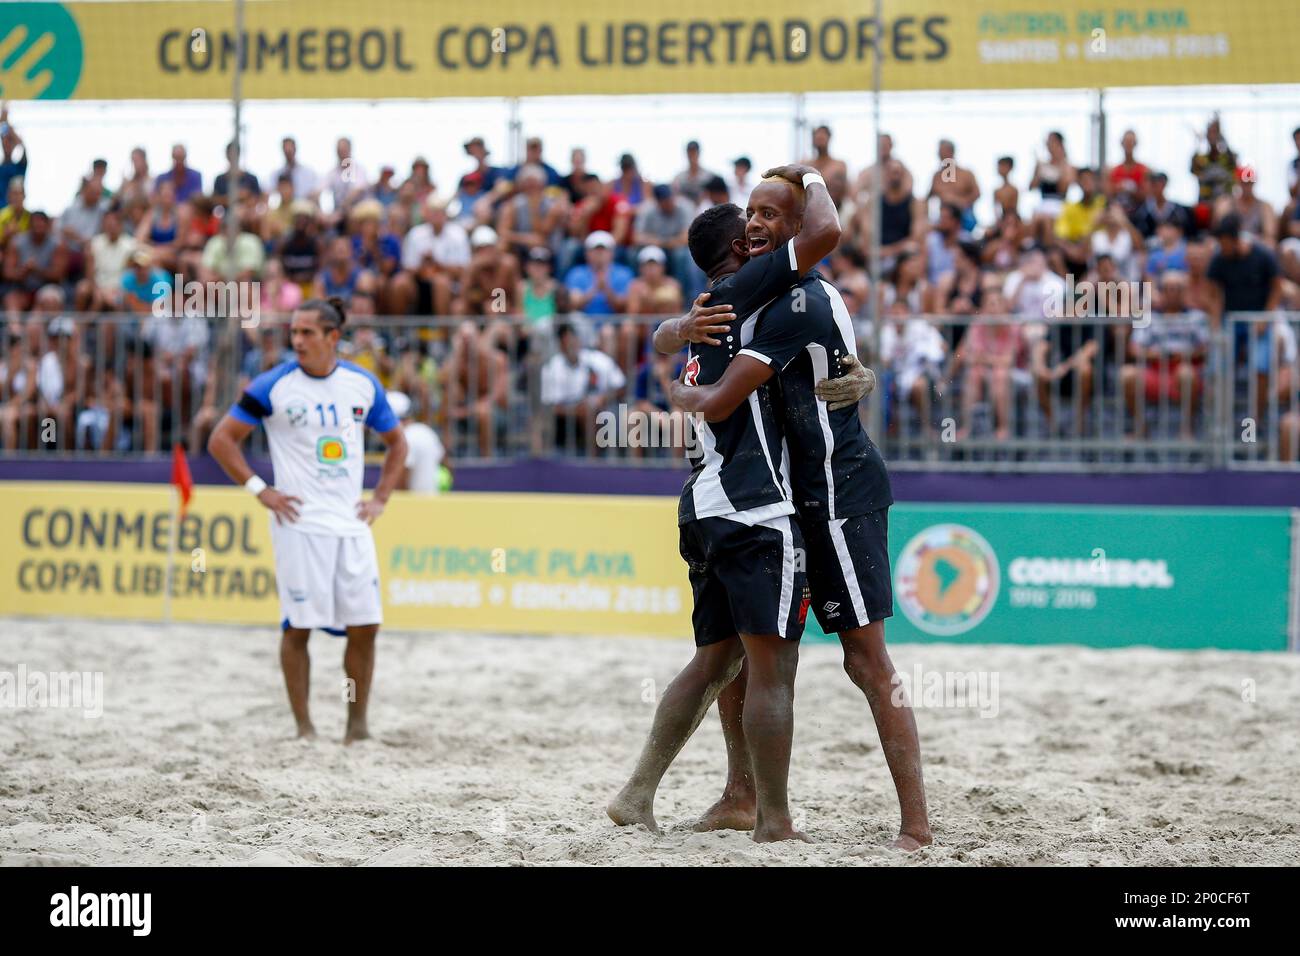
x=326 y=581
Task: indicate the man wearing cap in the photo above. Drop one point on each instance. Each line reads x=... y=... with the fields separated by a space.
x=347 y=180
x=690 y=181
x=492 y=280
x=653 y=291
x=665 y=223
x=599 y=286
x=422 y=470
x=435 y=255
x=489 y=175
x=143 y=283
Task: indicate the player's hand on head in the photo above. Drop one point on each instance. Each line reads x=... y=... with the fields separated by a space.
x=794 y=172
x=284 y=507
x=705 y=321
x=850 y=388
x=369 y=510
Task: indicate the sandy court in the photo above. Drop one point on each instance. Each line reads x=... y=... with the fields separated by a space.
x=501 y=750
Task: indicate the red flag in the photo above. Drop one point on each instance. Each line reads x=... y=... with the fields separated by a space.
x=181 y=476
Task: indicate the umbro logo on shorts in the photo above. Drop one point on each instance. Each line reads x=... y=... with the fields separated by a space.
x=830 y=607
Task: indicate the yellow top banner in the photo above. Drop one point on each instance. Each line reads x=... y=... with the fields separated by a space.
x=425 y=49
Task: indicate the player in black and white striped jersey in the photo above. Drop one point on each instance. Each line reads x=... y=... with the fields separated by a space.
x=842 y=496
x=736 y=534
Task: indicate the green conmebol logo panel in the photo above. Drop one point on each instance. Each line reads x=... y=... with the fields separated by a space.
x=40 y=52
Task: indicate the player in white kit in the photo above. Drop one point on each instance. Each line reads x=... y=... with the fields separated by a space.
x=315 y=409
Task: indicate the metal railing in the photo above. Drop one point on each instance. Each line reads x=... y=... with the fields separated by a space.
x=974 y=393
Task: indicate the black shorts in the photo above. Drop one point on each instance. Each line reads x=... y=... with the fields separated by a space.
x=848 y=570
x=745 y=579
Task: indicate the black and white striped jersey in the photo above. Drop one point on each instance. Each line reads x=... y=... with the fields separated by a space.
x=735 y=463
x=834 y=468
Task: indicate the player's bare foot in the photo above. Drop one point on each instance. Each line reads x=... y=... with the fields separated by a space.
x=912 y=842
x=356 y=732
x=775 y=834
x=629 y=811
x=306 y=732
x=729 y=813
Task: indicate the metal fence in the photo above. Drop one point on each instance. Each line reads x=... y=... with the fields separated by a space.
x=975 y=393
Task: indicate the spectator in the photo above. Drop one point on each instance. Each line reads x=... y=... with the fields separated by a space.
x=385 y=189
x=377 y=252
x=988 y=355
x=246 y=184
x=106 y=260
x=81 y=220
x=542 y=297
x=304 y=179
x=435 y=255
x=1170 y=253
x=1075 y=225
x=1053 y=178
x=534 y=216
x=1244 y=277
x=1168 y=357
x=160 y=226
x=489 y=175
x=601 y=210
x=420 y=183
x=573 y=182
x=1127 y=180
x=629 y=186
x=31 y=383
x=1156 y=208
x=903 y=221
x=138 y=184
x=243 y=260
x=1116 y=237
x=1005 y=242
x=340 y=276
x=423 y=468
x=10 y=144
x=33 y=259
x=269 y=353
x=1214 y=170
x=14 y=216
x=664 y=224
x=491 y=279
x=599 y=287
x=300 y=249
x=577 y=384
x=653 y=291
x=833 y=170
x=912 y=351
x=186 y=181
x=742 y=183
x=942 y=242
x=955 y=185
x=533 y=157
x=1257 y=217
x=1293 y=167
x=477 y=379
x=1033 y=291
x=347 y=181
x=1006 y=198
x=143 y=283
x=689 y=183
x=277 y=295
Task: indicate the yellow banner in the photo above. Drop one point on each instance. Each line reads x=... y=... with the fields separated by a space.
x=424 y=49
x=526 y=564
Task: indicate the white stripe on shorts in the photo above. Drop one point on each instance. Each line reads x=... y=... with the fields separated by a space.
x=787 y=571
x=836 y=529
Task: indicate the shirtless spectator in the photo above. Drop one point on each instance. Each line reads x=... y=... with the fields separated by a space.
x=955 y=185
x=834 y=171
x=492 y=279
x=1006 y=198
x=476 y=378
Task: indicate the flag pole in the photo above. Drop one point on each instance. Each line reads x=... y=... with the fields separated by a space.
x=171 y=554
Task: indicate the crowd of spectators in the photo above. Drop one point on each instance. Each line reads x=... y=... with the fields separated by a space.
x=540 y=281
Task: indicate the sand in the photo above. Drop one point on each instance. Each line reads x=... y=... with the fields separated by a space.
x=504 y=750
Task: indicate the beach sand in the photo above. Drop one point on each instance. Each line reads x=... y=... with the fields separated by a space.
x=504 y=750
